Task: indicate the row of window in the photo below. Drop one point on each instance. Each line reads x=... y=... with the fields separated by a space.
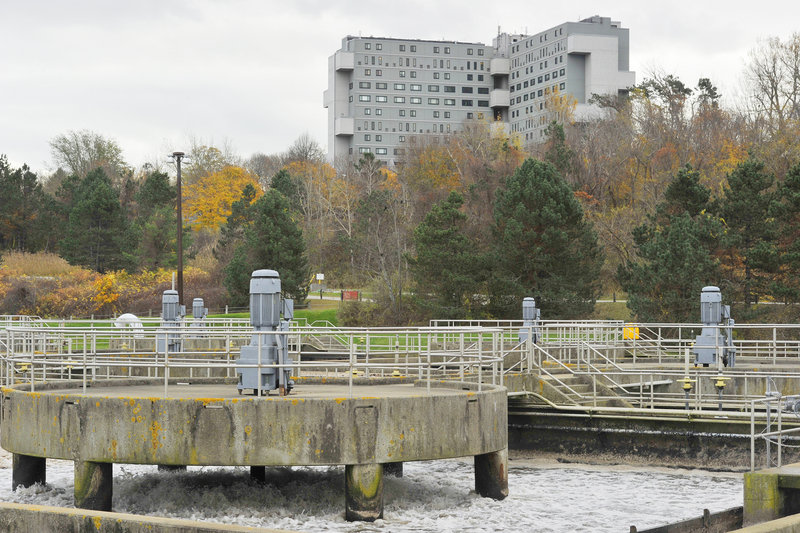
x=542 y=38
x=541 y=79
x=417 y=100
x=413 y=48
x=416 y=87
x=536 y=94
x=471 y=65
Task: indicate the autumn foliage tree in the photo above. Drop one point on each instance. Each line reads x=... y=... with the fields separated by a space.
x=207 y=202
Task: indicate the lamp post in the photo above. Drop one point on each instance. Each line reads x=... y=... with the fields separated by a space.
x=178 y=156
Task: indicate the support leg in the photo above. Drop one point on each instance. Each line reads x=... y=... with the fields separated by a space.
x=93 y=485
x=393 y=469
x=491 y=474
x=363 y=485
x=258 y=473
x=27 y=470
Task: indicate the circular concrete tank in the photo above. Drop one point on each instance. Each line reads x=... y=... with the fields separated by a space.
x=372 y=424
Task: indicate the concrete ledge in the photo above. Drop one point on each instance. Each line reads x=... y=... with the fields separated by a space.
x=20 y=518
x=787 y=524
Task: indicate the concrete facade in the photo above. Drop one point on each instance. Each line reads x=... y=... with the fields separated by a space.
x=385 y=95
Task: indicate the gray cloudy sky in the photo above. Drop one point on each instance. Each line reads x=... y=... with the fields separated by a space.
x=152 y=73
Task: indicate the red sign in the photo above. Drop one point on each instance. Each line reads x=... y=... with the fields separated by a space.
x=349 y=295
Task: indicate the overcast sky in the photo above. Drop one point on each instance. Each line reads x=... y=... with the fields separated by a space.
x=151 y=73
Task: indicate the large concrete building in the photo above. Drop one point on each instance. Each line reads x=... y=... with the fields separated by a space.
x=384 y=94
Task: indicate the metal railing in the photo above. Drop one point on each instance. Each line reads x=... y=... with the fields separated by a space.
x=41 y=354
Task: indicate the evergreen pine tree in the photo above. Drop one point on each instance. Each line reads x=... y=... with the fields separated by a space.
x=447 y=268
x=543 y=246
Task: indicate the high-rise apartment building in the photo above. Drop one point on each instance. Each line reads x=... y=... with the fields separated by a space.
x=385 y=94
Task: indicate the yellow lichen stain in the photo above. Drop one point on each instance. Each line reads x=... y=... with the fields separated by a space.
x=97 y=404
x=470 y=394
x=248 y=430
x=402 y=436
x=61 y=440
x=98 y=522
x=133 y=419
x=131 y=401
x=155 y=428
x=318 y=451
x=114 y=448
x=294 y=402
x=339 y=400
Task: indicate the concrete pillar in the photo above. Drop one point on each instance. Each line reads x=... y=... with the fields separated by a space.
x=393 y=469
x=27 y=470
x=171 y=468
x=363 y=485
x=491 y=474
x=763 y=498
x=93 y=485
x=258 y=473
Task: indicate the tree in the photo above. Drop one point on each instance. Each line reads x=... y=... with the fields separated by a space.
x=787 y=287
x=272 y=241
x=543 y=246
x=748 y=208
x=208 y=201
x=447 y=267
x=557 y=151
x=675 y=254
x=155 y=225
x=80 y=152
x=97 y=234
x=25 y=210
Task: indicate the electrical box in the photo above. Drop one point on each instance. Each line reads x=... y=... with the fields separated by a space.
x=716 y=336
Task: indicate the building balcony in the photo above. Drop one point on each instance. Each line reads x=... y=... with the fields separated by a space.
x=499 y=98
x=344 y=60
x=344 y=126
x=500 y=66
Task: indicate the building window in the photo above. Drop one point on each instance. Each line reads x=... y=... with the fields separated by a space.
x=381 y=99
x=469 y=115
x=364 y=85
x=367 y=72
x=469 y=77
x=379 y=46
x=402 y=73
x=364 y=150
x=413 y=47
x=480 y=77
x=433 y=101
x=483 y=90
x=480 y=51
x=416 y=87
x=416 y=100
x=399 y=99
x=378 y=138
x=367 y=111
x=402 y=138
x=402 y=48
x=446 y=49
x=447 y=114
x=380 y=151
x=433 y=88
x=467 y=90
x=435 y=113
x=483 y=103
x=449 y=101
x=447 y=75
x=561 y=85
x=561 y=72
x=350 y=99
x=449 y=88
x=413 y=113
x=367 y=46
x=469 y=51
x=436 y=75
x=378 y=72
x=364 y=98
x=435 y=49
x=399 y=86
x=380 y=85
x=399 y=151
x=351 y=85
x=402 y=113
x=413 y=73
x=367 y=137
x=466 y=103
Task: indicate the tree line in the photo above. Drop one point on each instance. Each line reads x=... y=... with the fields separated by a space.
x=666 y=190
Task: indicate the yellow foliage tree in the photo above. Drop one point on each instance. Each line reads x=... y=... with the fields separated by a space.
x=208 y=201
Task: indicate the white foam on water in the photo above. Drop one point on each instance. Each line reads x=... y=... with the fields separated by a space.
x=431 y=497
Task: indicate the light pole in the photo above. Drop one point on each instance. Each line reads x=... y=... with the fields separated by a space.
x=178 y=156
